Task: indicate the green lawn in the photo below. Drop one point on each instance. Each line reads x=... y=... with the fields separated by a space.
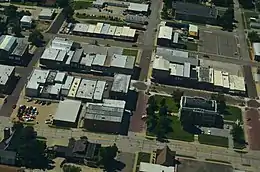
x=130 y=52
x=177 y=131
x=233 y=113
x=142 y=157
x=213 y=140
x=77 y=5
x=172 y=106
x=192 y=46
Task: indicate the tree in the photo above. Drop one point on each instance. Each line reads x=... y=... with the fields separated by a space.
x=71 y=168
x=69 y=12
x=227 y=19
x=163 y=127
x=223 y=3
x=253 y=36
x=152 y=103
x=221 y=101
x=16 y=29
x=177 y=94
x=30 y=151
x=36 y=38
x=62 y=3
x=248 y=4
x=10 y=11
x=107 y=155
x=238 y=133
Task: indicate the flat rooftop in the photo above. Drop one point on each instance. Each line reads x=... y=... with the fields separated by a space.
x=109 y=110
x=68 y=110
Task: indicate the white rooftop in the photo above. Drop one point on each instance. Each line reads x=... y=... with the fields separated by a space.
x=47 y=12
x=86 y=89
x=121 y=83
x=26 y=19
x=256 y=48
x=149 y=167
x=50 y=53
x=237 y=83
x=165 y=32
x=80 y=27
x=5 y=72
x=138 y=7
x=68 y=110
x=161 y=64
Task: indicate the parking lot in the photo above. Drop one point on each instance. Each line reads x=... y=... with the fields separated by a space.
x=225 y=132
x=219 y=43
x=108 y=11
x=44 y=111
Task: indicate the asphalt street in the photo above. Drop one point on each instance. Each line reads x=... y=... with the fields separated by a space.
x=166 y=89
x=250 y=83
x=133 y=143
x=149 y=38
x=24 y=73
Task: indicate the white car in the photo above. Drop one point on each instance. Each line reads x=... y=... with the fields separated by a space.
x=48 y=121
x=209 y=132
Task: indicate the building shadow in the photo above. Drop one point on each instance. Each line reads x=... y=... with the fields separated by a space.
x=192 y=129
x=11 y=85
x=125 y=124
x=116 y=166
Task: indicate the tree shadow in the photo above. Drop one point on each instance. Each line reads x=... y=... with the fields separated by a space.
x=115 y=166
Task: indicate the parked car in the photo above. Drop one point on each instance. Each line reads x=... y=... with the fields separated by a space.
x=48 y=121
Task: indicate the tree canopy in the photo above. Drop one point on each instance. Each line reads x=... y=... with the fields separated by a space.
x=62 y=3
x=10 y=11
x=30 y=151
x=36 y=38
x=177 y=94
x=71 y=168
x=238 y=133
x=107 y=155
x=227 y=19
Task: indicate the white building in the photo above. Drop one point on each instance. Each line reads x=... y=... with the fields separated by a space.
x=256 y=49
x=26 y=22
x=165 y=36
x=46 y=14
x=149 y=167
x=38 y=77
x=67 y=113
x=138 y=8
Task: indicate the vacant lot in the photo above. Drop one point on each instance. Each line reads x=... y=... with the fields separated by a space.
x=82 y=4
x=130 y=52
x=233 y=113
x=213 y=140
x=219 y=43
